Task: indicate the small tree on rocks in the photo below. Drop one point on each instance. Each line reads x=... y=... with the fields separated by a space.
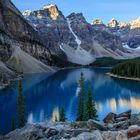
x=21 y=105
x=80 y=111
x=90 y=111
x=62 y=115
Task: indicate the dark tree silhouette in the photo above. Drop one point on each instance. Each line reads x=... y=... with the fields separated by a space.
x=21 y=105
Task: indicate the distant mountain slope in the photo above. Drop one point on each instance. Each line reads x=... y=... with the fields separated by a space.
x=80 y=41
x=129 y=32
x=16 y=32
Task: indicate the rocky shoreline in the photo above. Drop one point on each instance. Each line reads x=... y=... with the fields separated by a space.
x=16 y=78
x=123 y=77
x=124 y=126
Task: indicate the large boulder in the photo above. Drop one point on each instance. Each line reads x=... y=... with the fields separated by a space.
x=96 y=135
x=135 y=119
x=92 y=124
x=124 y=114
x=133 y=131
x=109 y=118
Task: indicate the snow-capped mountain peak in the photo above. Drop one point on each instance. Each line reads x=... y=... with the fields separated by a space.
x=113 y=23
x=97 y=21
x=80 y=41
x=53 y=10
x=49 y=6
x=26 y=13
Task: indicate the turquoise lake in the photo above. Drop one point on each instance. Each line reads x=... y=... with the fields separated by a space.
x=45 y=94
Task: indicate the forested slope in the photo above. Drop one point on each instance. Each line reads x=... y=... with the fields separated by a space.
x=129 y=68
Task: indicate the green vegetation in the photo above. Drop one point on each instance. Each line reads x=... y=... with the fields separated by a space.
x=60 y=60
x=130 y=68
x=86 y=106
x=90 y=110
x=62 y=115
x=21 y=105
x=106 y=62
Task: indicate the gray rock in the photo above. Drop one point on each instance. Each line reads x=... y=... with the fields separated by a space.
x=96 y=135
x=109 y=135
x=135 y=119
x=122 y=124
x=121 y=136
x=51 y=132
x=92 y=124
x=81 y=124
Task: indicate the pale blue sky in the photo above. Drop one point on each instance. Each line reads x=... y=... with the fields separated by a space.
x=122 y=10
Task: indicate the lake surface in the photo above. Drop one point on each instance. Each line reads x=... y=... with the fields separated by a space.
x=45 y=94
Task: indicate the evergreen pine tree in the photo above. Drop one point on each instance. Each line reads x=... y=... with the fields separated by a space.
x=90 y=111
x=81 y=99
x=21 y=105
x=13 y=126
x=62 y=115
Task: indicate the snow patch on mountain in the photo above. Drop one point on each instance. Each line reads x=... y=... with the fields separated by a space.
x=48 y=6
x=76 y=37
x=78 y=55
x=127 y=47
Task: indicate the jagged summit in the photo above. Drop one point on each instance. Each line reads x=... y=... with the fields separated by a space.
x=50 y=10
x=113 y=23
x=53 y=10
x=77 y=17
x=49 y=6
x=132 y=24
x=97 y=21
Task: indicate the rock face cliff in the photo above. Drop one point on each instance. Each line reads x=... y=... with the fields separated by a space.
x=80 y=41
x=17 y=33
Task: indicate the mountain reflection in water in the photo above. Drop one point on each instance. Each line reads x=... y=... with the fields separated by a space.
x=45 y=94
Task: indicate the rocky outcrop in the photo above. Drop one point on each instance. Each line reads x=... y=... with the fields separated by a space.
x=86 y=130
x=16 y=32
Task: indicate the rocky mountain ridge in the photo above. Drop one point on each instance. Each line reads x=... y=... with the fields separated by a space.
x=129 y=32
x=73 y=36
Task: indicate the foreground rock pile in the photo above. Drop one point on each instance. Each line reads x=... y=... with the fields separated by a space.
x=116 y=127
x=117 y=122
